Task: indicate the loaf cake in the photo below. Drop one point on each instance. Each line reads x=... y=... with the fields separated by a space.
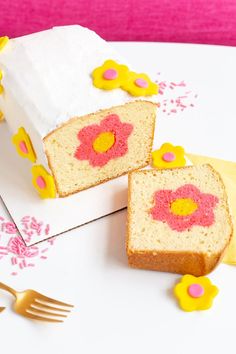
x=178 y=220
x=76 y=111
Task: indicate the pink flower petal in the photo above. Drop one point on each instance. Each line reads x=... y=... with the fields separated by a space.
x=111 y=122
x=89 y=133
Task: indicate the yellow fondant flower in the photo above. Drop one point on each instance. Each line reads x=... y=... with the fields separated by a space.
x=195 y=293
x=23 y=145
x=168 y=156
x=139 y=85
x=43 y=182
x=3 y=41
x=1 y=117
x=1 y=87
x=110 y=75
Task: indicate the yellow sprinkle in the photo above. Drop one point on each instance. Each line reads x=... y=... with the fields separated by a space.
x=104 y=142
x=3 y=41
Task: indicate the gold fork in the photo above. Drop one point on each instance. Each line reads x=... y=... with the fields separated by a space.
x=31 y=304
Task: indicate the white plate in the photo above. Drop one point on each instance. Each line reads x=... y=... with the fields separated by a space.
x=123 y=310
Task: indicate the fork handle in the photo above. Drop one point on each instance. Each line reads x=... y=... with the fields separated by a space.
x=7 y=288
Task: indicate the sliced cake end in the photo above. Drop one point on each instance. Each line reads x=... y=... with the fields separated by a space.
x=178 y=220
x=92 y=149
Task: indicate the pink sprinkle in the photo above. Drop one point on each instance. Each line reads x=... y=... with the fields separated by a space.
x=43 y=257
x=162 y=84
x=174 y=111
x=51 y=241
x=160 y=92
x=15 y=248
x=28 y=233
x=9 y=228
x=191 y=105
x=13 y=260
x=26 y=218
x=47 y=229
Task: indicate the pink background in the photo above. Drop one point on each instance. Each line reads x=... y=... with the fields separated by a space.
x=196 y=21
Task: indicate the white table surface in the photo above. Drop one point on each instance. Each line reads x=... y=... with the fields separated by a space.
x=123 y=310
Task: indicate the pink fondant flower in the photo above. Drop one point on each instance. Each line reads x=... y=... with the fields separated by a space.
x=101 y=143
x=17 y=246
x=185 y=207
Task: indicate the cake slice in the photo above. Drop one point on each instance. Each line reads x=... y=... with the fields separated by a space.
x=78 y=160
x=178 y=220
x=75 y=110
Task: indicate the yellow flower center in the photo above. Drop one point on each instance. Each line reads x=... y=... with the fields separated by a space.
x=104 y=142
x=183 y=207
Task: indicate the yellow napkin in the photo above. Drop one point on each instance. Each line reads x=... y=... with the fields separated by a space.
x=227 y=171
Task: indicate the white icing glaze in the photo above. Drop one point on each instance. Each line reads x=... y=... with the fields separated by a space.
x=47 y=79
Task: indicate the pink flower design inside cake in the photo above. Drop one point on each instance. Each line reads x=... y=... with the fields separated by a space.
x=104 y=142
x=184 y=208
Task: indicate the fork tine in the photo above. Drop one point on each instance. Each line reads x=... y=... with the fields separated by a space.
x=42 y=312
x=41 y=297
x=40 y=318
x=44 y=306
